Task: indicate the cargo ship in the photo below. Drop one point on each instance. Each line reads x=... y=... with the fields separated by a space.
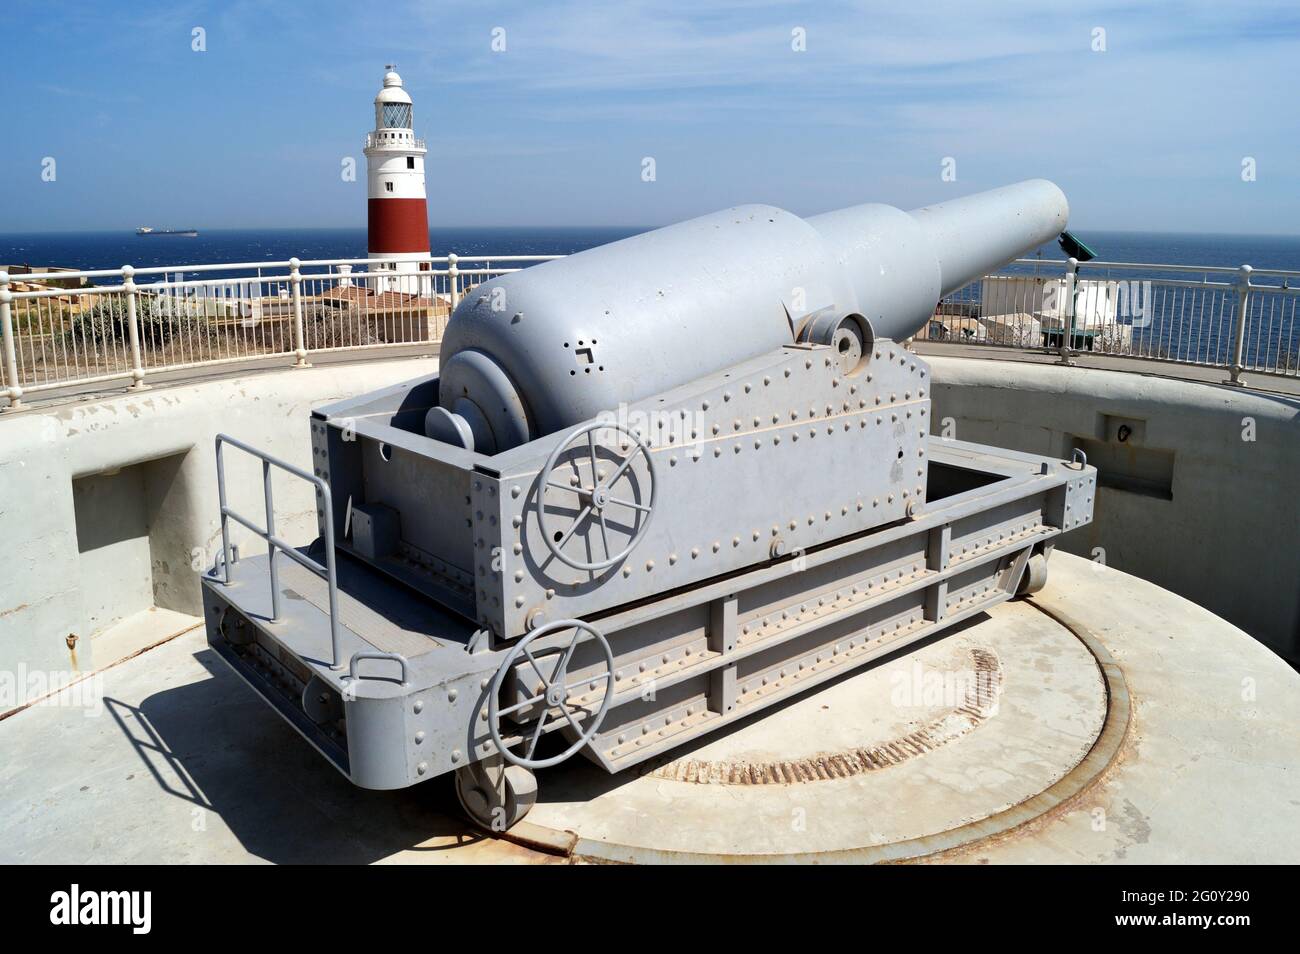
x=146 y=230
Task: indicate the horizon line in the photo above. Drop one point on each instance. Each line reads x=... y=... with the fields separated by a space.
x=634 y=228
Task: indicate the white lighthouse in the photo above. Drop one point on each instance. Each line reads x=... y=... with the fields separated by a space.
x=397 y=214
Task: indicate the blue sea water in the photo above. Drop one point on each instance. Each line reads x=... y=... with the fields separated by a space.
x=1173 y=248
x=1180 y=321
x=94 y=250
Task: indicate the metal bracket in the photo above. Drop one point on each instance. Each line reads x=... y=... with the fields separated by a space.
x=359 y=656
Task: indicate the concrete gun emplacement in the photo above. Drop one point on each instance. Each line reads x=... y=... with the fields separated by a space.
x=655 y=487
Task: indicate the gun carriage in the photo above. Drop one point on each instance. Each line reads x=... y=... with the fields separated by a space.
x=655 y=487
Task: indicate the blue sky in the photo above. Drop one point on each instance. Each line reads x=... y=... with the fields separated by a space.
x=1149 y=134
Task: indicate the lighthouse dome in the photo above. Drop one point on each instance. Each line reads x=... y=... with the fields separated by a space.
x=393 y=125
x=393 y=94
x=392 y=91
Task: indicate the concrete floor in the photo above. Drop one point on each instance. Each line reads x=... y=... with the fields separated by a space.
x=138 y=633
x=173 y=760
x=1210 y=768
x=1205 y=770
x=958 y=730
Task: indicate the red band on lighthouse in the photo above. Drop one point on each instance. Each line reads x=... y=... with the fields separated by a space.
x=397 y=225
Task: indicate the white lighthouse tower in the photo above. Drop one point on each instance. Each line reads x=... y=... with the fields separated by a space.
x=397 y=214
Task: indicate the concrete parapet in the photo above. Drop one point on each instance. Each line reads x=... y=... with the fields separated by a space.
x=109 y=506
x=1198 y=489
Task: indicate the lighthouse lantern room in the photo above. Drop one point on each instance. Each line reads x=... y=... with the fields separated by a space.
x=397 y=216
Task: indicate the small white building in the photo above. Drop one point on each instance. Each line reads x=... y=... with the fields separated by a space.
x=1032 y=311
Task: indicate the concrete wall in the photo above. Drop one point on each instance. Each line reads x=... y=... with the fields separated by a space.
x=115 y=566
x=110 y=505
x=1201 y=496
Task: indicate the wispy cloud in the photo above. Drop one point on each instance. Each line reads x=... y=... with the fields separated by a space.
x=94 y=95
x=554 y=128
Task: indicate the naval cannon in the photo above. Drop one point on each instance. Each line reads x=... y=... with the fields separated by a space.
x=655 y=487
x=558 y=344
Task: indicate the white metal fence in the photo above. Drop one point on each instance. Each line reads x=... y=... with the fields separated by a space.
x=64 y=328
x=1179 y=313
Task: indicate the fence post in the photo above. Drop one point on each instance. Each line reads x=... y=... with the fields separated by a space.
x=15 y=391
x=299 y=332
x=453 y=283
x=133 y=330
x=1242 y=288
x=1071 y=283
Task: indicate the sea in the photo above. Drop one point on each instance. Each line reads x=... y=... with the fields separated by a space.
x=96 y=250
x=1179 y=328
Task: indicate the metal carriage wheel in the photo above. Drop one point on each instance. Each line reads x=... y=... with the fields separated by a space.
x=597 y=495
x=555 y=693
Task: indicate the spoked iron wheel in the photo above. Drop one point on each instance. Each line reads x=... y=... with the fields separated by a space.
x=554 y=700
x=599 y=486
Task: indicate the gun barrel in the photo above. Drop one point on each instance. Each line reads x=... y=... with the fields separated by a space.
x=978 y=233
x=557 y=344
x=901 y=263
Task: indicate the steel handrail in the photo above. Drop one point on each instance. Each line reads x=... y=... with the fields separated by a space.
x=275 y=544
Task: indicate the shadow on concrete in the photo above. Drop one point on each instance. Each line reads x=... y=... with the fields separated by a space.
x=215 y=744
